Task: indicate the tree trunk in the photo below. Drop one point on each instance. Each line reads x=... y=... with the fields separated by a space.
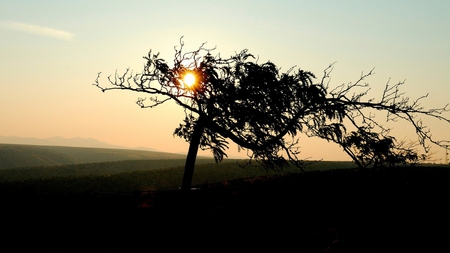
x=192 y=155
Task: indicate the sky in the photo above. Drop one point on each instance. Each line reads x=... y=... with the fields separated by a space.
x=52 y=51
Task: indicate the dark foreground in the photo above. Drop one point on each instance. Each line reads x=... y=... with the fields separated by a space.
x=396 y=210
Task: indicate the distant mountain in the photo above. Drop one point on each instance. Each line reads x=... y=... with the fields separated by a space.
x=65 y=142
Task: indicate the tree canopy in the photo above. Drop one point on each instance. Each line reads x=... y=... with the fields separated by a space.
x=264 y=110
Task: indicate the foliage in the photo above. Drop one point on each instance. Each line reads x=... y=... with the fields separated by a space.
x=368 y=149
x=263 y=110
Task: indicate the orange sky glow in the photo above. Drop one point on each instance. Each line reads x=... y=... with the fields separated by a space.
x=51 y=53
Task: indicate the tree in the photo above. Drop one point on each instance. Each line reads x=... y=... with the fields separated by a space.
x=262 y=110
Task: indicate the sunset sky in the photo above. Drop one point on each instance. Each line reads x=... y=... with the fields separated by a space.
x=51 y=52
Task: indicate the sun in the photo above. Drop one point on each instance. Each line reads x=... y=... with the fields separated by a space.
x=189 y=79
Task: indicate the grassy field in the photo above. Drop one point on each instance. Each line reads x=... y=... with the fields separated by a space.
x=66 y=170
x=328 y=210
x=135 y=206
x=132 y=175
x=19 y=156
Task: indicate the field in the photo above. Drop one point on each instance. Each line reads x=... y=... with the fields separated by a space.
x=19 y=156
x=96 y=170
x=132 y=175
x=134 y=206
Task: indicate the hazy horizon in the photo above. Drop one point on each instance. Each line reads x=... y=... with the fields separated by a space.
x=52 y=51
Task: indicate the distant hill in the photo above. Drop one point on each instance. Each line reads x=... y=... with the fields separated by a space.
x=13 y=156
x=16 y=156
x=60 y=141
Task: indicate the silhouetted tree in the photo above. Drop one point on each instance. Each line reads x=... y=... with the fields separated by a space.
x=262 y=110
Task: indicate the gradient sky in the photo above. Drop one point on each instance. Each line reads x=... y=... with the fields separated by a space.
x=51 y=52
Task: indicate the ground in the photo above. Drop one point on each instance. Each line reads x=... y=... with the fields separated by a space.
x=395 y=210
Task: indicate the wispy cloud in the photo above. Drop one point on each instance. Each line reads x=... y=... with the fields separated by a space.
x=35 y=29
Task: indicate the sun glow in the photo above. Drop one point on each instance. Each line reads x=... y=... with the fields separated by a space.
x=189 y=79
